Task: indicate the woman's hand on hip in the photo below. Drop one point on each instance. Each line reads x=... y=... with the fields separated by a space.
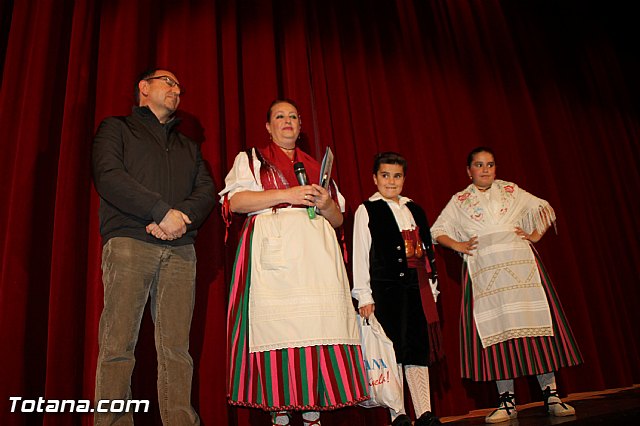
x=534 y=237
x=466 y=247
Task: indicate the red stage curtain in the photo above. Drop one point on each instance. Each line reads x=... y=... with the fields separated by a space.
x=551 y=86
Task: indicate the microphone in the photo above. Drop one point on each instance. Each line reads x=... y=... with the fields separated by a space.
x=301 y=175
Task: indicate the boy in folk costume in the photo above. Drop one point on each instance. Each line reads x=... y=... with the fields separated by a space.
x=394 y=275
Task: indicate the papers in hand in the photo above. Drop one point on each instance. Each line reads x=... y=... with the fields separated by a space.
x=325 y=169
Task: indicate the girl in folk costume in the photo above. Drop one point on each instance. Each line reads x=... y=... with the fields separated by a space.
x=293 y=336
x=512 y=323
x=394 y=275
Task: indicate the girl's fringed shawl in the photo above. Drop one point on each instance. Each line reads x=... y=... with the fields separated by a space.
x=508 y=297
x=466 y=213
x=539 y=219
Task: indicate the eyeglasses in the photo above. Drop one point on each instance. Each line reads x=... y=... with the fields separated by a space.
x=171 y=82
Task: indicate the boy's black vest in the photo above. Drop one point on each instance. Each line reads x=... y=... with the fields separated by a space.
x=387 y=258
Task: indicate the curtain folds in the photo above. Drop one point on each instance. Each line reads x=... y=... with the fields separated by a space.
x=550 y=86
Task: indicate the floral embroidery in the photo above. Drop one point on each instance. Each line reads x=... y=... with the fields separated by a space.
x=471 y=204
x=464 y=196
x=506 y=197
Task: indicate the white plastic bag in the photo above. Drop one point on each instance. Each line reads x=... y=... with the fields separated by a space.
x=383 y=374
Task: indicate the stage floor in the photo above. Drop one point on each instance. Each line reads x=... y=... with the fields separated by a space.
x=611 y=407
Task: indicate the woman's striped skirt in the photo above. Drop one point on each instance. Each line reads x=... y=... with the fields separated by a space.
x=516 y=357
x=306 y=378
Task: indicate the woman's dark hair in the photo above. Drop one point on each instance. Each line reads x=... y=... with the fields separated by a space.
x=279 y=101
x=145 y=75
x=389 y=157
x=478 y=150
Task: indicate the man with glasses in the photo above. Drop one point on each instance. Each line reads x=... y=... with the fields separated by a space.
x=155 y=191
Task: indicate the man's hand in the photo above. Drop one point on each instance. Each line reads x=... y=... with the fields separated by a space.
x=155 y=230
x=174 y=224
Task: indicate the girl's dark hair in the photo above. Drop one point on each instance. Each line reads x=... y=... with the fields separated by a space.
x=478 y=150
x=389 y=157
x=279 y=101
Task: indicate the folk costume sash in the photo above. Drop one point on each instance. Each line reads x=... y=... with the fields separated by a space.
x=416 y=254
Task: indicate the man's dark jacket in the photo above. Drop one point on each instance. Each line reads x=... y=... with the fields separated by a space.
x=141 y=169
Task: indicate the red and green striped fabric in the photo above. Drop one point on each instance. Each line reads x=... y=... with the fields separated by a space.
x=308 y=378
x=516 y=357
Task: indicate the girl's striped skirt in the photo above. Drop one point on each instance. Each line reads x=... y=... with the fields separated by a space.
x=307 y=378
x=516 y=357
